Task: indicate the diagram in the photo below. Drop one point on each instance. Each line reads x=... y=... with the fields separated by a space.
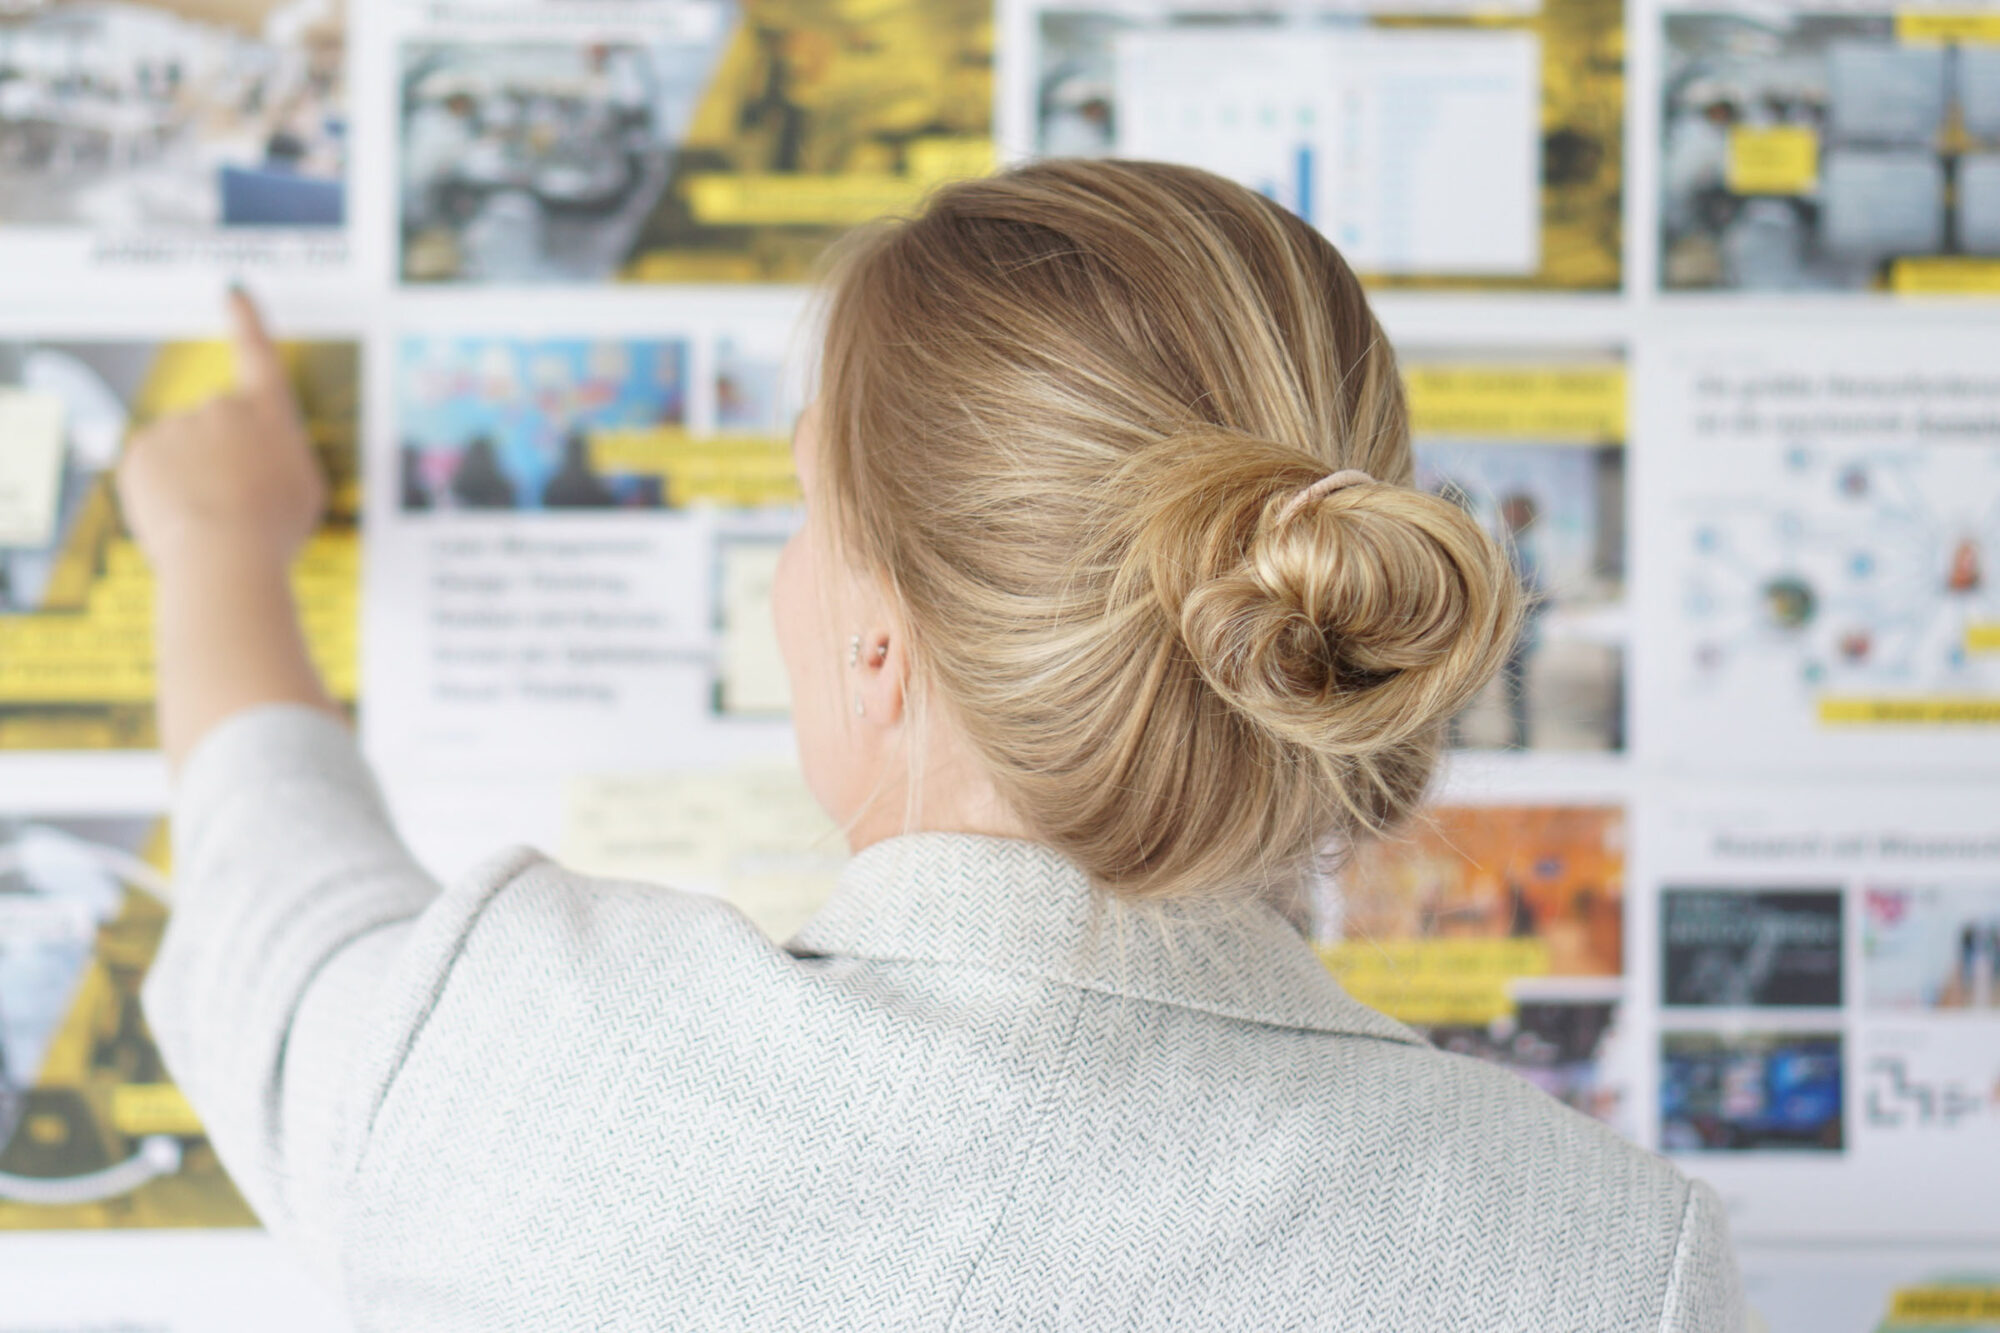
x=1860 y=581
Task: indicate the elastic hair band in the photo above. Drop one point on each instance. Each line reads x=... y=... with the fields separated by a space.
x=1325 y=486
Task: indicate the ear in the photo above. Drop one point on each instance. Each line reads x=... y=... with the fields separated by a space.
x=883 y=673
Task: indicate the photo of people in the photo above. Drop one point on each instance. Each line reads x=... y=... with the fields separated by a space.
x=538 y=162
x=1738 y=1092
x=721 y=143
x=1931 y=946
x=173 y=115
x=500 y=423
x=1815 y=151
x=1560 y=511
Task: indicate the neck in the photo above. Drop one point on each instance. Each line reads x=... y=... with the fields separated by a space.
x=948 y=793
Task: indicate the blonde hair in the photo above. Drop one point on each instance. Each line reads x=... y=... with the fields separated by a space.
x=1066 y=412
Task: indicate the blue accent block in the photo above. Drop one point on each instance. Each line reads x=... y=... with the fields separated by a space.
x=260 y=198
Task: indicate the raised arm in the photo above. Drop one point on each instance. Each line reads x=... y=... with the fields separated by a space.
x=221 y=499
x=273 y=998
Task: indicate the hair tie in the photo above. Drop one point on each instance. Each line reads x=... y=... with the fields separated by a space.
x=1325 y=486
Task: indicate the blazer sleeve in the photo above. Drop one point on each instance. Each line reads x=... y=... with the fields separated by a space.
x=1704 y=1288
x=295 y=916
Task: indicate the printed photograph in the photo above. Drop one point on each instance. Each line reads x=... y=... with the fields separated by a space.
x=730 y=143
x=1559 y=509
x=1567 y=1048
x=1756 y=1091
x=1747 y=948
x=75 y=594
x=1463 y=926
x=93 y=1134
x=1552 y=875
x=173 y=115
x=1926 y=947
x=502 y=423
x=1814 y=151
x=750 y=395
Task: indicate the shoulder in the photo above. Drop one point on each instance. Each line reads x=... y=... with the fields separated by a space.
x=1465 y=1117
x=520 y=914
x=1542 y=1208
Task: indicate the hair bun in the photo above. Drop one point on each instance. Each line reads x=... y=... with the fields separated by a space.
x=1347 y=622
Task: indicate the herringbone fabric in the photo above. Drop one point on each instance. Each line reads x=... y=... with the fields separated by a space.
x=969 y=1095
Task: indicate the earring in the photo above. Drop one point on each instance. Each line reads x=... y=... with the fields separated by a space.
x=854 y=650
x=860 y=709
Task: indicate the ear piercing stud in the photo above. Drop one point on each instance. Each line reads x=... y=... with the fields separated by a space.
x=854 y=650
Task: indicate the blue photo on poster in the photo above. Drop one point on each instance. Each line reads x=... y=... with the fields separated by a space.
x=1751 y=1091
x=508 y=423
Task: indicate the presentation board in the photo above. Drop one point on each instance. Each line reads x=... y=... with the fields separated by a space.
x=1696 y=307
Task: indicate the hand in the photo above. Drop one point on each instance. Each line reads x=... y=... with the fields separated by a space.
x=236 y=474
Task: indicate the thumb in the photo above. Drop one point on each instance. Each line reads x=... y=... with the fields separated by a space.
x=259 y=368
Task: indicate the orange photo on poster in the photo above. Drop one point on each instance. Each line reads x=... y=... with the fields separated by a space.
x=1550 y=874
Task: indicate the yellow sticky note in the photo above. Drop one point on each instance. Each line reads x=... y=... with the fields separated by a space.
x=1945 y=275
x=1983 y=638
x=1944 y=1303
x=643 y=451
x=940 y=159
x=138 y=1109
x=774 y=199
x=1955 y=27
x=1773 y=159
x=31 y=456
x=1842 y=711
x=1437 y=982
x=1582 y=404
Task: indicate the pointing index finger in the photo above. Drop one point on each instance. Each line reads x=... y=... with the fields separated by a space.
x=259 y=368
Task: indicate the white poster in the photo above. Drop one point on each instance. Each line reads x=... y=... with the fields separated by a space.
x=1821 y=1015
x=1818 y=552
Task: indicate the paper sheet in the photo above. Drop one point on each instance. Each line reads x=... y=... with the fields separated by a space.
x=31 y=459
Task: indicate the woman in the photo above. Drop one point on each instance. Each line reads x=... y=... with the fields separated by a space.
x=1112 y=609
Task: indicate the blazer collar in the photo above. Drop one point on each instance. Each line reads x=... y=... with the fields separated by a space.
x=1018 y=907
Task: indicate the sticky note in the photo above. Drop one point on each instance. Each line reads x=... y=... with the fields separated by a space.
x=752 y=675
x=1554 y=404
x=31 y=456
x=1844 y=711
x=1945 y=275
x=1946 y=1302
x=753 y=835
x=138 y=1109
x=1431 y=982
x=1773 y=159
x=1955 y=27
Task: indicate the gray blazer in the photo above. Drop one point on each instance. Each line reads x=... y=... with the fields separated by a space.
x=539 y=1101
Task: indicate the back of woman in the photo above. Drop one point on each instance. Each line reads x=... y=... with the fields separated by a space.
x=1113 y=620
